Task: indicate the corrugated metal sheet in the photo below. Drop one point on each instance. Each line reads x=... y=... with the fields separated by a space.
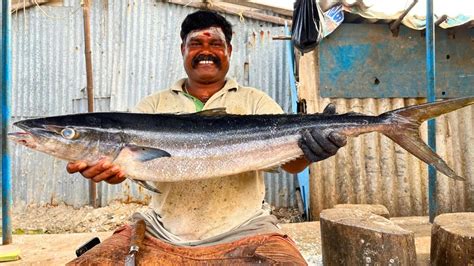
x=135 y=52
x=373 y=169
x=261 y=54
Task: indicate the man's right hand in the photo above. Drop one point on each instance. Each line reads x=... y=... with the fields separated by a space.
x=101 y=171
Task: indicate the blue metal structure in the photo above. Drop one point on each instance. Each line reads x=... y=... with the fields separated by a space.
x=303 y=177
x=5 y=101
x=430 y=91
x=383 y=66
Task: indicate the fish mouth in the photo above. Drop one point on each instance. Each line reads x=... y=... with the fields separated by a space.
x=23 y=138
x=33 y=132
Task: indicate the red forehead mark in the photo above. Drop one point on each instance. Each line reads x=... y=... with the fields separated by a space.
x=206 y=33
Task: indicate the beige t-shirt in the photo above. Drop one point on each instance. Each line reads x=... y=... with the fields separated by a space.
x=196 y=210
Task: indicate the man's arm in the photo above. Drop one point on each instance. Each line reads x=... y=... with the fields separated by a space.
x=296 y=165
x=316 y=147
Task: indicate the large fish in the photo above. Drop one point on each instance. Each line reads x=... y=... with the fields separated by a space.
x=177 y=147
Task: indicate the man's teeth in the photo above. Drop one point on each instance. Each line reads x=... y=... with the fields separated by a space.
x=205 y=62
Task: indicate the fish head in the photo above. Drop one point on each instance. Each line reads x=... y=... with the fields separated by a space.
x=68 y=141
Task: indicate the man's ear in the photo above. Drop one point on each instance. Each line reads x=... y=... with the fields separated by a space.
x=182 y=48
x=229 y=49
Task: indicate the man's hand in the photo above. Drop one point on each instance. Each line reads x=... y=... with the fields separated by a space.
x=102 y=171
x=319 y=145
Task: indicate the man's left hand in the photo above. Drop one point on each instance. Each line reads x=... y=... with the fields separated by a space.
x=318 y=145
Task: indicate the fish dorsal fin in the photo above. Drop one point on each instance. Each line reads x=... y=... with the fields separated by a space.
x=213 y=112
x=146 y=153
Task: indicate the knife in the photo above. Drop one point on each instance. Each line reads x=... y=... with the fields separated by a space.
x=138 y=234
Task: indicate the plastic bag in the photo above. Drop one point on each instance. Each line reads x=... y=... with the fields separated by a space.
x=307 y=29
x=333 y=17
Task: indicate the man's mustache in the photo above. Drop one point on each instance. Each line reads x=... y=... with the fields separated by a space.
x=203 y=57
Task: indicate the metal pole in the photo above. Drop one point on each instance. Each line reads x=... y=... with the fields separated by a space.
x=6 y=102
x=430 y=91
x=303 y=177
x=90 y=85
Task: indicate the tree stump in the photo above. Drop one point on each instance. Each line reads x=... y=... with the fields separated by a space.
x=452 y=239
x=354 y=237
x=372 y=208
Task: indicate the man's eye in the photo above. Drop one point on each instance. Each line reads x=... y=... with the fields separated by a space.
x=217 y=44
x=194 y=44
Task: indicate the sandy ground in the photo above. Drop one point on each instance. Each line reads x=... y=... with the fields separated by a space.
x=57 y=249
x=50 y=249
x=53 y=233
x=66 y=219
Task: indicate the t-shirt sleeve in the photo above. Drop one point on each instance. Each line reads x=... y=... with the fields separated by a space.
x=266 y=105
x=147 y=104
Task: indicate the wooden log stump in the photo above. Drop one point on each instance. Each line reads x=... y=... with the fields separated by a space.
x=354 y=237
x=452 y=239
x=372 y=208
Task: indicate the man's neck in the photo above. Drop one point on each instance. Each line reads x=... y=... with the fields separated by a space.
x=202 y=91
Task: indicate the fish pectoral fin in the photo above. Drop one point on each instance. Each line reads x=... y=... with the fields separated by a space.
x=144 y=154
x=146 y=185
x=213 y=112
x=273 y=170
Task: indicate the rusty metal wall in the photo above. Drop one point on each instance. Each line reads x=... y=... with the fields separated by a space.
x=135 y=46
x=373 y=169
x=377 y=56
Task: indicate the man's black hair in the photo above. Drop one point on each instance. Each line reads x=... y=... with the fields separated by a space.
x=203 y=19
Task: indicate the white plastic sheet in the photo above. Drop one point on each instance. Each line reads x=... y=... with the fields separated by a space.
x=458 y=12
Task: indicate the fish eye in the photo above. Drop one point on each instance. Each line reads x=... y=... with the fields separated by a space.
x=69 y=133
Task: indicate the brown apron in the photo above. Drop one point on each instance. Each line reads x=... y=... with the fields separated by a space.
x=273 y=249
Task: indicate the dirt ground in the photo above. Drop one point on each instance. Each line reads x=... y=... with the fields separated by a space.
x=49 y=235
x=66 y=219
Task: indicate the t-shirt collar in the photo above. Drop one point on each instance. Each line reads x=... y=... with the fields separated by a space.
x=230 y=84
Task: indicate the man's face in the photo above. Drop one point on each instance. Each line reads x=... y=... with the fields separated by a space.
x=206 y=55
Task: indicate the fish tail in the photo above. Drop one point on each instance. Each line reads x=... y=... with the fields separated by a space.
x=406 y=130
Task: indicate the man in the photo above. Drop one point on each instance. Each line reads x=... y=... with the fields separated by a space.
x=218 y=220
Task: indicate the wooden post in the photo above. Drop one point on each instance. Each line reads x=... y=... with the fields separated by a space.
x=354 y=237
x=90 y=85
x=308 y=95
x=452 y=239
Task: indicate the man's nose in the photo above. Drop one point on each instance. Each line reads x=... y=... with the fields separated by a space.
x=206 y=46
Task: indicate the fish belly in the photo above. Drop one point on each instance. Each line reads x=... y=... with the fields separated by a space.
x=201 y=164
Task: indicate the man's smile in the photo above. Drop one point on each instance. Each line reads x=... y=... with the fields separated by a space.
x=206 y=60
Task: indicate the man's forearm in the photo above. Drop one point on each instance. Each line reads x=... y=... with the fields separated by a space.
x=296 y=165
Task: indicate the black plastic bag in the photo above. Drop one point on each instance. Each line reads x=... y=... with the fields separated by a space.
x=306 y=30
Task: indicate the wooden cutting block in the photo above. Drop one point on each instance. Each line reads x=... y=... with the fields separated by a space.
x=452 y=239
x=372 y=208
x=355 y=237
